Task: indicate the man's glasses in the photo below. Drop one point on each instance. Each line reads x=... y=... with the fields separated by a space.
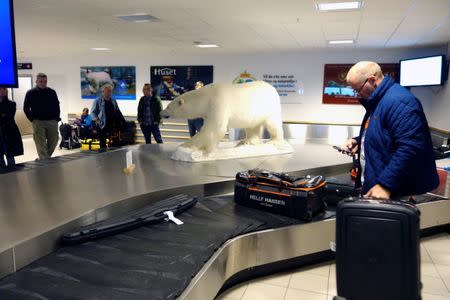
x=358 y=91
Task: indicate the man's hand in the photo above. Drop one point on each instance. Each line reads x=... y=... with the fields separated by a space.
x=351 y=145
x=378 y=192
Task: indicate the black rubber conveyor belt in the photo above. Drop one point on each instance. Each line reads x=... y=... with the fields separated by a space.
x=150 y=262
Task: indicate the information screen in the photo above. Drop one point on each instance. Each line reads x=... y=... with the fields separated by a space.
x=421 y=71
x=8 y=60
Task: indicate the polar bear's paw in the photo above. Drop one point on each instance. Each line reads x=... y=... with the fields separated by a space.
x=280 y=144
x=253 y=141
x=188 y=145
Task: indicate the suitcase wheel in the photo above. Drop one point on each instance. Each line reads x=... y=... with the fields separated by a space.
x=308 y=215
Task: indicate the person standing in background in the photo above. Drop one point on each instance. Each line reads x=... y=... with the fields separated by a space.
x=106 y=113
x=41 y=106
x=195 y=124
x=148 y=114
x=10 y=139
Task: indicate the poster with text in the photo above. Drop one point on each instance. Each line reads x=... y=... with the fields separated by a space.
x=171 y=81
x=123 y=80
x=335 y=88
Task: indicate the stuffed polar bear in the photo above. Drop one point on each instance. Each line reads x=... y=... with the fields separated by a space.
x=222 y=106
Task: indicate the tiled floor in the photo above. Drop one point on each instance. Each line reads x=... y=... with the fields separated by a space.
x=30 y=152
x=318 y=282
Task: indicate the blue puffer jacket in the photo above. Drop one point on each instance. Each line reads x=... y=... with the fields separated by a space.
x=398 y=148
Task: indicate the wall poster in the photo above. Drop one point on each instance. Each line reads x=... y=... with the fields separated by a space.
x=285 y=84
x=123 y=79
x=172 y=81
x=335 y=88
x=244 y=77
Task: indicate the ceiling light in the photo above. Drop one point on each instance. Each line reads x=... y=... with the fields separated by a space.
x=206 y=45
x=138 y=18
x=101 y=49
x=339 y=42
x=338 y=6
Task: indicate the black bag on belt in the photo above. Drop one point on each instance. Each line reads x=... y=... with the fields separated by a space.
x=279 y=193
x=151 y=214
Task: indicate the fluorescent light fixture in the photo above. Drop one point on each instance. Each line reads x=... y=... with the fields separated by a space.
x=340 y=42
x=101 y=49
x=138 y=18
x=206 y=45
x=338 y=6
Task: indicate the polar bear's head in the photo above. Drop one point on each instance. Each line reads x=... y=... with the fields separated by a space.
x=190 y=105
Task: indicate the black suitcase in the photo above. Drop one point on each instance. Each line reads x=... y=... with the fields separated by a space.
x=377 y=250
x=125 y=135
x=301 y=198
x=70 y=144
x=340 y=188
x=65 y=130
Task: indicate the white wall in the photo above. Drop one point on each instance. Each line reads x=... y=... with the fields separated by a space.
x=439 y=116
x=64 y=77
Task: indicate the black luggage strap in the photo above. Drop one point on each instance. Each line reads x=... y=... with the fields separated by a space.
x=155 y=213
x=283 y=178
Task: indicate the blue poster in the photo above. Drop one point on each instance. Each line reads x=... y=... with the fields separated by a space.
x=171 y=81
x=122 y=79
x=8 y=61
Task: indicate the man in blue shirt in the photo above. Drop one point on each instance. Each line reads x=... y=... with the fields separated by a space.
x=394 y=145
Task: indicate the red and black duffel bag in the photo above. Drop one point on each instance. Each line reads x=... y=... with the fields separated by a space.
x=279 y=193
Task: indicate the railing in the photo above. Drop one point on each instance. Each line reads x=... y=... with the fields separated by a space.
x=176 y=130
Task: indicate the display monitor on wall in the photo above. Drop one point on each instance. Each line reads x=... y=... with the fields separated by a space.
x=422 y=71
x=8 y=60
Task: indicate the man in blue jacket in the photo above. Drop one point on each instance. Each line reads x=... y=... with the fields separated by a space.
x=106 y=113
x=394 y=144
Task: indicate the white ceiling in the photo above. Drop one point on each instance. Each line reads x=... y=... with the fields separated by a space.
x=46 y=28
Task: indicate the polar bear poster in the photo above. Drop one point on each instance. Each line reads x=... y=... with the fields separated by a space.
x=250 y=106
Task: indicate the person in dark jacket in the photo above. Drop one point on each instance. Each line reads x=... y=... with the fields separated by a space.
x=10 y=139
x=106 y=114
x=41 y=106
x=148 y=114
x=195 y=125
x=394 y=145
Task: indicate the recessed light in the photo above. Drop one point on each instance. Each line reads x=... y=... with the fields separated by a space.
x=339 y=42
x=338 y=6
x=138 y=18
x=101 y=49
x=206 y=45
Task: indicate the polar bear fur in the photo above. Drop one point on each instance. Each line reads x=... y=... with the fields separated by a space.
x=249 y=106
x=98 y=79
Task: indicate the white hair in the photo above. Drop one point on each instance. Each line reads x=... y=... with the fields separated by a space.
x=107 y=85
x=362 y=70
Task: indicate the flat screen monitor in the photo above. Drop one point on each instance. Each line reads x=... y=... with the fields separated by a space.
x=422 y=71
x=8 y=60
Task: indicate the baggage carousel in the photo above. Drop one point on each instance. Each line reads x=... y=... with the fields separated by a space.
x=219 y=244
